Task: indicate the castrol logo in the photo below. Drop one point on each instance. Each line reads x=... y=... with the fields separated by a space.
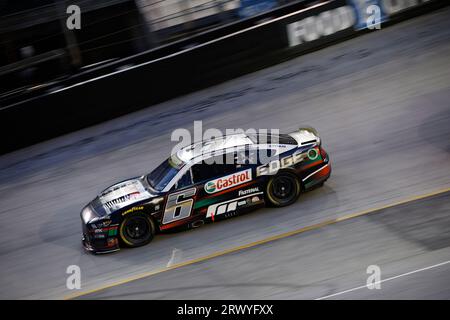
x=229 y=181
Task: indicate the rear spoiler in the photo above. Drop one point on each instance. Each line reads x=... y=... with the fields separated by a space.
x=306 y=136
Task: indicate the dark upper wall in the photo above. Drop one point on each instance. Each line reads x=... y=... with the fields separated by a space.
x=35 y=45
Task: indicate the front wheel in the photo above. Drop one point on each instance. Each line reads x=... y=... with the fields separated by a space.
x=136 y=230
x=283 y=189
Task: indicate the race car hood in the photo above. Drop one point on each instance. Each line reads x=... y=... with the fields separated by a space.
x=121 y=195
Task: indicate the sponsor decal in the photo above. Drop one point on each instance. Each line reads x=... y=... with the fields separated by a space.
x=112 y=232
x=275 y=165
x=313 y=154
x=101 y=224
x=248 y=191
x=133 y=210
x=106 y=223
x=255 y=199
x=102 y=233
x=229 y=181
x=112 y=242
x=228 y=208
x=272 y=167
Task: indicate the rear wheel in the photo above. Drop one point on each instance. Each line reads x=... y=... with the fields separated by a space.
x=283 y=189
x=136 y=230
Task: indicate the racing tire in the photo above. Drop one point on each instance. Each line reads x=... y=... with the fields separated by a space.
x=283 y=189
x=137 y=229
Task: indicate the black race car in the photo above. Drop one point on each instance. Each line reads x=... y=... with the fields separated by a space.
x=204 y=182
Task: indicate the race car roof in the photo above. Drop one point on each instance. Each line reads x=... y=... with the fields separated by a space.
x=207 y=147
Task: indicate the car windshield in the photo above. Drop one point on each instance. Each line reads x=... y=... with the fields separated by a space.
x=163 y=174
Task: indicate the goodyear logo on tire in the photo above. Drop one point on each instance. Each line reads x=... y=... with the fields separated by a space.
x=229 y=181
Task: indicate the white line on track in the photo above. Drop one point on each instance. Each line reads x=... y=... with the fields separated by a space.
x=388 y=279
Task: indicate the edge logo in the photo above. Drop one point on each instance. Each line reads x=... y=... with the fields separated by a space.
x=229 y=181
x=272 y=167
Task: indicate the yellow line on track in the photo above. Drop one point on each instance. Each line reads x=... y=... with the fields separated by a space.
x=259 y=242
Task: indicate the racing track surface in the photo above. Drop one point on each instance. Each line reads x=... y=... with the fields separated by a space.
x=380 y=102
x=322 y=262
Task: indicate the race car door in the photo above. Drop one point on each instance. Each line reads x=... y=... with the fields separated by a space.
x=219 y=185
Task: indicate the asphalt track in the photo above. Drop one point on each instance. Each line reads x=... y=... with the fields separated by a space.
x=380 y=102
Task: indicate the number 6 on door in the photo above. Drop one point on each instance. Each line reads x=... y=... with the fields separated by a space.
x=178 y=206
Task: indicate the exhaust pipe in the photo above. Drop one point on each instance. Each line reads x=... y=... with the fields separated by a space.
x=197 y=224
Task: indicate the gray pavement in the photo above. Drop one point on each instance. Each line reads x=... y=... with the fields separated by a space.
x=322 y=262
